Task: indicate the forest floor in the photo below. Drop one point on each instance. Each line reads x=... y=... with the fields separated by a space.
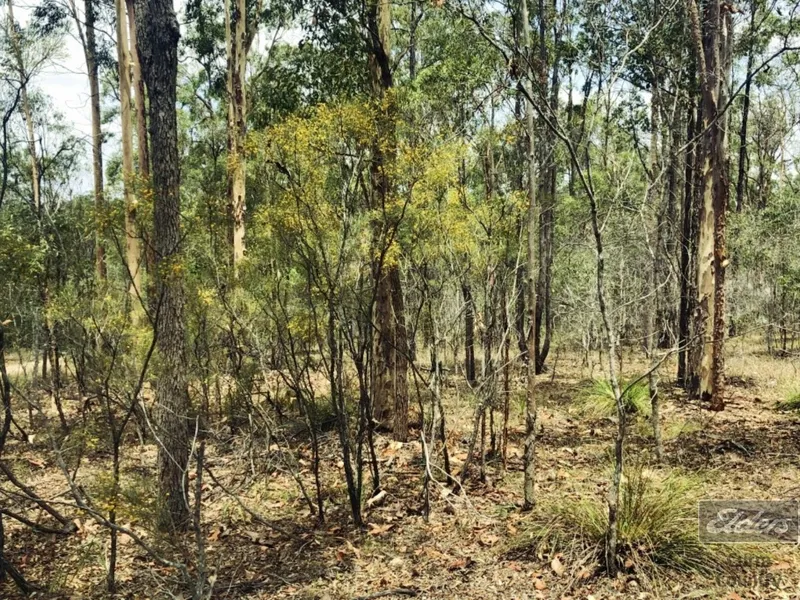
x=465 y=550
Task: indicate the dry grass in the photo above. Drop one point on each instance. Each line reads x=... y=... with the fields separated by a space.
x=656 y=531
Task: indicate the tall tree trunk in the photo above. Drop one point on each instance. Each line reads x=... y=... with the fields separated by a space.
x=520 y=281
x=89 y=44
x=391 y=369
x=741 y=179
x=133 y=248
x=235 y=37
x=658 y=258
x=710 y=256
x=688 y=246
x=137 y=83
x=90 y=50
x=549 y=166
x=721 y=201
x=142 y=149
x=158 y=34
x=668 y=234
x=529 y=458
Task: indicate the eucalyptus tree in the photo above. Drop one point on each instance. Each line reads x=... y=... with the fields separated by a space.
x=158 y=34
x=363 y=33
x=712 y=44
x=241 y=27
x=86 y=26
x=125 y=68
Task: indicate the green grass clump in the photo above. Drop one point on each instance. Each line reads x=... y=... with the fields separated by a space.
x=598 y=401
x=656 y=531
x=792 y=402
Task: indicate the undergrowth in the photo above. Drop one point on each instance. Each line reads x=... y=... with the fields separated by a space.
x=657 y=531
x=791 y=403
x=598 y=401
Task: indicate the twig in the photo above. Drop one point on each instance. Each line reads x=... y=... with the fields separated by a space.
x=256 y=517
x=66 y=530
x=392 y=592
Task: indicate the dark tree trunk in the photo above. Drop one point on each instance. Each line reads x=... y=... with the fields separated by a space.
x=543 y=327
x=688 y=244
x=721 y=201
x=469 y=333
x=391 y=356
x=666 y=240
x=741 y=178
x=382 y=357
x=520 y=311
x=521 y=276
x=158 y=34
x=400 y=355
x=412 y=41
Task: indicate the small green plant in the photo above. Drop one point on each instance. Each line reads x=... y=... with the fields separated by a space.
x=791 y=403
x=134 y=502
x=674 y=429
x=598 y=400
x=656 y=530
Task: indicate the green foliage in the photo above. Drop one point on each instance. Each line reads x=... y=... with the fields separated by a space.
x=791 y=403
x=133 y=498
x=598 y=400
x=766 y=281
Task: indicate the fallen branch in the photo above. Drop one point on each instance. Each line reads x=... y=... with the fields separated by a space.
x=44 y=505
x=66 y=530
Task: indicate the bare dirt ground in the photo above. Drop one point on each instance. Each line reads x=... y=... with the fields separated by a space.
x=463 y=551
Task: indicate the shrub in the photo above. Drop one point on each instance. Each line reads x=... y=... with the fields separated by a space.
x=656 y=530
x=792 y=402
x=598 y=400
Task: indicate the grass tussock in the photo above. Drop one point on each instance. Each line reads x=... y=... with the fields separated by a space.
x=657 y=530
x=597 y=401
x=791 y=403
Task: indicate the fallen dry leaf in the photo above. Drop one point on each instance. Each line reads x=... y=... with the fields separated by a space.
x=375 y=529
x=557 y=566
x=460 y=563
